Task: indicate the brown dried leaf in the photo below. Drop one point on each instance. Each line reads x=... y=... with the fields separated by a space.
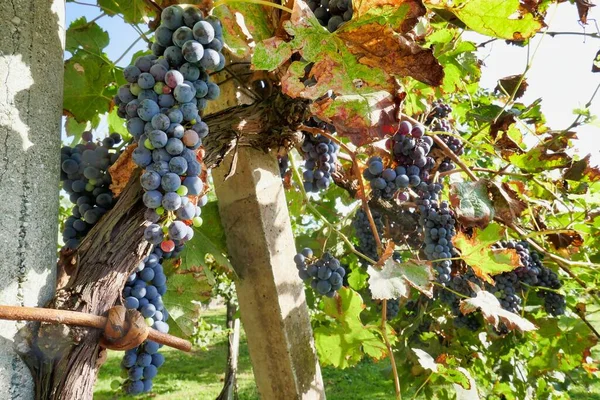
x=565 y=239
x=581 y=170
x=507 y=204
x=121 y=170
x=583 y=8
x=508 y=85
x=493 y=312
x=379 y=46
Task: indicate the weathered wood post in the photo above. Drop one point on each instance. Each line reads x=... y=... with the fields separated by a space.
x=31 y=88
x=273 y=308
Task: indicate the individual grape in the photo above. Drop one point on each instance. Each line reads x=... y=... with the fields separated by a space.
x=170 y=182
x=204 y=32
x=147 y=109
x=213 y=91
x=174 y=78
x=190 y=72
x=193 y=51
x=182 y=35
x=131 y=74
x=171 y=201
x=210 y=59
x=194 y=185
x=152 y=198
x=172 y=17
x=174 y=56
x=191 y=15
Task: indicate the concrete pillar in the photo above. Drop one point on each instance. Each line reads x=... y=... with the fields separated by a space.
x=31 y=88
x=273 y=308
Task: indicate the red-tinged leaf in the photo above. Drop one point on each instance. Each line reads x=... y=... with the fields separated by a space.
x=565 y=239
x=493 y=312
x=508 y=85
x=471 y=203
x=360 y=118
x=583 y=8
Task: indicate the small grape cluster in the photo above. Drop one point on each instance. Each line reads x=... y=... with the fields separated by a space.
x=320 y=154
x=326 y=274
x=143 y=291
x=532 y=272
x=85 y=177
x=392 y=309
x=437 y=120
x=385 y=182
x=439 y=110
x=364 y=234
x=331 y=13
x=437 y=220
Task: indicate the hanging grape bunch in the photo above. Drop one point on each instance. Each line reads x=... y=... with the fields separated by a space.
x=410 y=149
x=331 y=13
x=437 y=120
x=162 y=104
x=326 y=274
x=85 y=177
x=320 y=155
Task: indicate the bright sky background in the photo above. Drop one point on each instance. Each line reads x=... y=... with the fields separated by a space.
x=560 y=73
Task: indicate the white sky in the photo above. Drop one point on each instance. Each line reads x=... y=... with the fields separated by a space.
x=560 y=73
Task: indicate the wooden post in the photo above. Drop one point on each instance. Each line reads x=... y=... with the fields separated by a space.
x=273 y=308
x=31 y=85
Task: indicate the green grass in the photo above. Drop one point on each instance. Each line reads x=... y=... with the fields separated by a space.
x=198 y=376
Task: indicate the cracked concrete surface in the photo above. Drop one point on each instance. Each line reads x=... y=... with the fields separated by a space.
x=31 y=76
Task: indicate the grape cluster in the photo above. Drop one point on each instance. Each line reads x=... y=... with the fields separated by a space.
x=364 y=234
x=438 y=122
x=331 y=13
x=85 y=177
x=320 y=155
x=326 y=274
x=439 y=110
x=532 y=272
x=392 y=309
x=143 y=292
x=437 y=220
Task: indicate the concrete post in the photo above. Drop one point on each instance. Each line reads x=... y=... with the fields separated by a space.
x=271 y=295
x=31 y=87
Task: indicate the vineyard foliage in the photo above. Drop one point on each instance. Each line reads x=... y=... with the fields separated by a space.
x=452 y=212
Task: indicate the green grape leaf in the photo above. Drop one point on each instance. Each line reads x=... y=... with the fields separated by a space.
x=345 y=342
x=88 y=36
x=208 y=239
x=395 y=279
x=492 y=311
x=133 y=11
x=240 y=34
x=504 y=19
x=357 y=279
x=471 y=203
x=540 y=158
x=117 y=124
x=185 y=291
x=88 y=88
x=476 y=251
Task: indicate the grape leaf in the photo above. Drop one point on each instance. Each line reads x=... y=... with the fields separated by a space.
x=493 y=312
x=507 y=205
x=133 y=11
x=472 y=204
x=208 y=239
x=504 y=19
x=476 y=251
x=581 y=170
x=425 y=360
x=240 y=34
x=117 y=124
x=540 y=158
x=180 y=300
x=88 y=88
x=395 y=279
x=87 y=36
x=344 y=343
x=468 y=392
x=361 y=118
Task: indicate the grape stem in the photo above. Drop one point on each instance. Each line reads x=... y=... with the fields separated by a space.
x=388 y=345
x=261 y=2
x=158 y=8
x=362 y=192
x=313 y=209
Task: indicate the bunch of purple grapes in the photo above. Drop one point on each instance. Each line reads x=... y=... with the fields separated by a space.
x=331 y=13
x=364 y=234
x=437 y=120
x=437 y=220
x=85 y=177
x=326 y=275
x=143 y=292
x=320 y=155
